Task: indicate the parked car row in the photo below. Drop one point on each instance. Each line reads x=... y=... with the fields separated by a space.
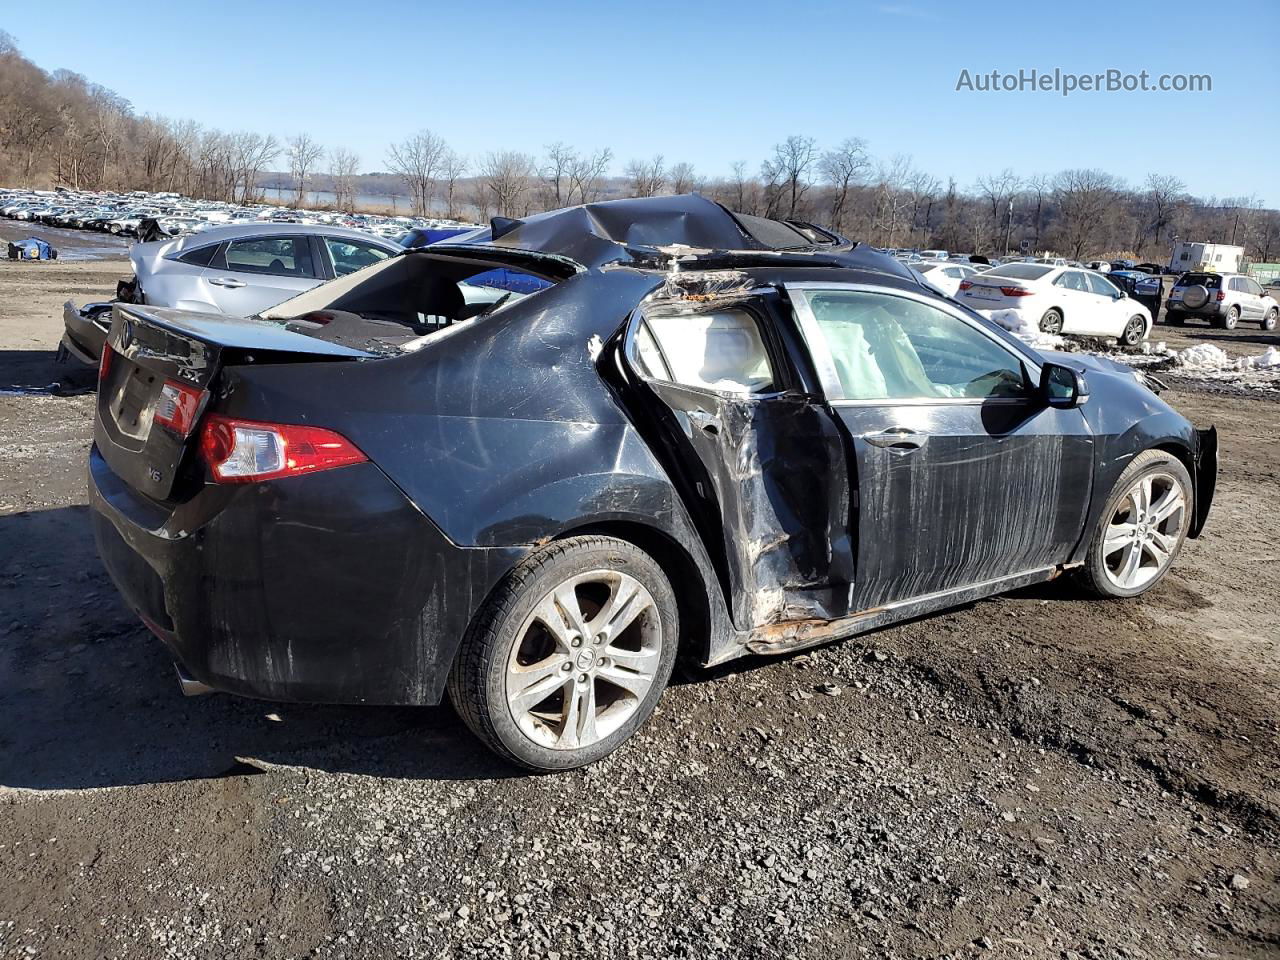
x=1117 y=298
x=124 y=214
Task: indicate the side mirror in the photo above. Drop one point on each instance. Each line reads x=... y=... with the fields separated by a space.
x=1062 y=387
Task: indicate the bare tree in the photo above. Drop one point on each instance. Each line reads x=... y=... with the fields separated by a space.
x=1082 y=197
x=250 y=153
x=509 y=175
x=344 y=166
x=555 y=173
x=303 y=153
x=743 y=189
x=646 y=178
x=585 y=173
x=787 y=173
x=1165 y=194
x=110 y=114
x=454 y=168
x=998 y=189
x=892 y=199
x=1039 y=186
x=683 y=179
x=843 y=168
x=922 y=189
x=418 y=162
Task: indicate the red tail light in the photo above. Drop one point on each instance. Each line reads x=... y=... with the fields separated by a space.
x=966 y=284
x=1222 y=295
x=178 y=406
x=1016 y=291
x=104 y=363
x=246 y=451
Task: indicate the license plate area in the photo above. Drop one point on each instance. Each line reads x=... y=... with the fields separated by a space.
x=133 y=402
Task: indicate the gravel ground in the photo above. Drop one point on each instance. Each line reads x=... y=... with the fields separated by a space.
x=1040 y=775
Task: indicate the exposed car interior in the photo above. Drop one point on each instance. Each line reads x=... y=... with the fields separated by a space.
x=894 y=347
x=402 y=299
x=721 y=351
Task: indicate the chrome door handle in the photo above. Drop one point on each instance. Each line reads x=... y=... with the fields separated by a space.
x=707 y=422
x=897 y=439
x=225 y=282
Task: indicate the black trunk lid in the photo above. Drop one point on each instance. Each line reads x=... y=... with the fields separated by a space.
x=149 y=346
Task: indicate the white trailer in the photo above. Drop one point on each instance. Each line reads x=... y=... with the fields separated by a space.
x=1207 y=257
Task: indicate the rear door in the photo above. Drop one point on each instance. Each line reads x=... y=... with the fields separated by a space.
x=759 y=462
x=962 y=475
x=1250 y=298
x=1078 y=302
x=256 y=272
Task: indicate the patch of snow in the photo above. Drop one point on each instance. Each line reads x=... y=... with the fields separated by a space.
x=1024 y=328
x=1267 y=360
x=1203 y=357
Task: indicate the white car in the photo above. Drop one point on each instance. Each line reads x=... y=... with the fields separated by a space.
x=933 y=254
x=944 y=275
x=1060 y=300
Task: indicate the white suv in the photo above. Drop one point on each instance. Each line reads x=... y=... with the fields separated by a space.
x=1222 y=298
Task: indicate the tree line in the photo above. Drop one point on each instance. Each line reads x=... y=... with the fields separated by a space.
x=60 y=129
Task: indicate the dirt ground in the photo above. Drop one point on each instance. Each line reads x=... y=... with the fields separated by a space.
x=1039 y=775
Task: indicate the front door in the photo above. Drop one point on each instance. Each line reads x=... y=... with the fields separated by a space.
x=963 y=476
x=760 y=464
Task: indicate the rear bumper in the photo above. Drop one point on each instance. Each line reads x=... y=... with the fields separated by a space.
x=83 y=336
x=330 y=587
x=1210 y=309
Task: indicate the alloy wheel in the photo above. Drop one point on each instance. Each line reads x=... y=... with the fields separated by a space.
x=1051 y=322
x=1144 y=531
x=1133 y=332
x=584 y=660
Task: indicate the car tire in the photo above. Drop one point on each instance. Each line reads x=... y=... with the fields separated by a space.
x=509 y=650
x=1132 y=521
x=1229 y=319
x=1051 y=322
x=1134 y=330
x=1269 y=320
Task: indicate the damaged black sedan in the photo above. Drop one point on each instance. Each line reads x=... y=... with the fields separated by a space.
x=691 y=433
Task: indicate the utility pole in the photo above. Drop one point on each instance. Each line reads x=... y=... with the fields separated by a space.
x=1008 y=227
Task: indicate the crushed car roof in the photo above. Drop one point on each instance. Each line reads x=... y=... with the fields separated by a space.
x=643 y=229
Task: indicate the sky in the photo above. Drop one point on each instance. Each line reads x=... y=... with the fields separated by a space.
x=709 y=82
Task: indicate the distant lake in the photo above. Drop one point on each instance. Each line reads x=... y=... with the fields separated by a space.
x=325 y=198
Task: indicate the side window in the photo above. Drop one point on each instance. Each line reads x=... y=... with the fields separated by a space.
x=1073 y=280
x=1255 y=287
x=275 y=256
x=201 y=257
x=721 y=351
x=352 y=255
x=886 y=347
x=1101 y=286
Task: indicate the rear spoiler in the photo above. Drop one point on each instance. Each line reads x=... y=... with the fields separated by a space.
x=223 y=332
